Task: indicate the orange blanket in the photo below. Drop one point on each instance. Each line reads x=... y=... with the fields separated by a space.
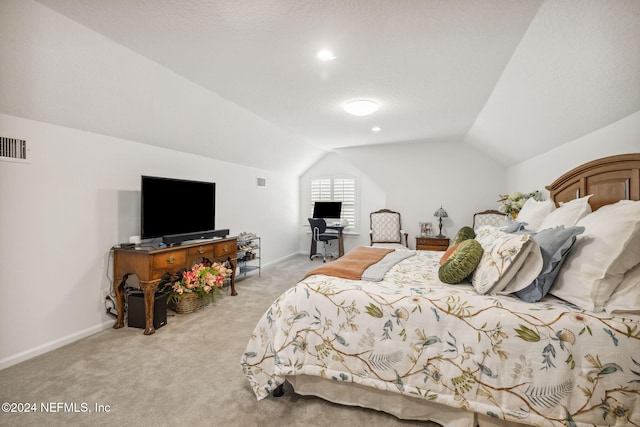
x=353 y=264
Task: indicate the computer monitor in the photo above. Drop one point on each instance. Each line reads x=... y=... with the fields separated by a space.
x=327 y=210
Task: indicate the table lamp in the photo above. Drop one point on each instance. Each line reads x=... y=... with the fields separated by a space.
x=440 y=213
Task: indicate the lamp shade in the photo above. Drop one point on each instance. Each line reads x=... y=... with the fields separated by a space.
x=440 y=213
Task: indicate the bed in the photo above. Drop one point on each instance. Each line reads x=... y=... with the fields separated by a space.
x=404 y=342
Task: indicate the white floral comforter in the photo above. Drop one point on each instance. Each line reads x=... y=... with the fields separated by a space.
x=544 y=364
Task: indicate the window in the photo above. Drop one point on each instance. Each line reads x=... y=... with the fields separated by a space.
x=339 y=190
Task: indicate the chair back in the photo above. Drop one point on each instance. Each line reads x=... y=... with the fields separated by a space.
x=490 y=217
x=385 y=226
x=318 y=226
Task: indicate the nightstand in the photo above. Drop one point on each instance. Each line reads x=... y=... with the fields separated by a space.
x=432 y=243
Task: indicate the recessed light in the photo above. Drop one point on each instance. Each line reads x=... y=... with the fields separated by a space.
x=376 y=129
x=325 y=55
x=361 y=107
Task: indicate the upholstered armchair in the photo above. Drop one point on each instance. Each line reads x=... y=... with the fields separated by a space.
x=385 y=227
x=490 y=217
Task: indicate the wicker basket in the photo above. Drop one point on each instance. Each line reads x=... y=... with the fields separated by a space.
x=189 y=303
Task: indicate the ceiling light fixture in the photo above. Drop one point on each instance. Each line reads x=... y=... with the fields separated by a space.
x=361 y=107
x=325 y=55
x=376 y=129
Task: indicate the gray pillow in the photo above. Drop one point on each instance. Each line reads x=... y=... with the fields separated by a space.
x=514 y=227
x=554 y=244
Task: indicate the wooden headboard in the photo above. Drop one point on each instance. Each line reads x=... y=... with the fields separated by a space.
x=609 y=179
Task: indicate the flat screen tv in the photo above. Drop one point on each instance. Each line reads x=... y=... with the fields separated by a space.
x=327 y=210
x=176 y=206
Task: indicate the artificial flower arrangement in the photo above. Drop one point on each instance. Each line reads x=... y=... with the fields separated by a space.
x=510 y=204
x=203 y=279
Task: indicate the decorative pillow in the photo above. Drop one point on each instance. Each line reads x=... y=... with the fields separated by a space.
x=568 y=214
x=626 y=297
x=609 y=247
x=465 y=233
x=448 y=253
x=534 y=212
x=554 y=244
x=501 y=251
x=461 y=262
x=526 y=267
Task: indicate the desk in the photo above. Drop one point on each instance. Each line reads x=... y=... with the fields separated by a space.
x=338 y=229
x=151 y=263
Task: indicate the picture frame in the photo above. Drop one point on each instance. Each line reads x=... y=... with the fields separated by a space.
x=426 y=229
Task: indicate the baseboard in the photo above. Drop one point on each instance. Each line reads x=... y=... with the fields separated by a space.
x=281 y=259
x=52 y=345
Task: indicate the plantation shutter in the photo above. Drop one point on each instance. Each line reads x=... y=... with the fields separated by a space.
x=339 y=190
x=344 y=190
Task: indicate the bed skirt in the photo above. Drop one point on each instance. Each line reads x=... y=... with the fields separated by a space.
x=403 y=407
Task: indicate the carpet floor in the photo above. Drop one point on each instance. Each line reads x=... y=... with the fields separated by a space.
x=187 y=373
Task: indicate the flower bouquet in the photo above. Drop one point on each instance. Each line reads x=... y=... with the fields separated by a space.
x=196 y=287
x=510 y=204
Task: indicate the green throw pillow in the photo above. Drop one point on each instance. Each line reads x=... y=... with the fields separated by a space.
x=461 y=262
x=465 y=233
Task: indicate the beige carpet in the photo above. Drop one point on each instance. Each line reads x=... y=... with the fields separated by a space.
x=187 y=373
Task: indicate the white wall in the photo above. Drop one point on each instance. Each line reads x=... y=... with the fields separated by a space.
x=62 y=212
x=620 y=137
x=55 y=70
x=413 y=179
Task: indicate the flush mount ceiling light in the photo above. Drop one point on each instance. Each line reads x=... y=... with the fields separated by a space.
x=361 y=107
x=376 y=129
x=325 y=55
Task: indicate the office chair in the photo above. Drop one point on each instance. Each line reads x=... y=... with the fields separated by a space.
x=318 y=228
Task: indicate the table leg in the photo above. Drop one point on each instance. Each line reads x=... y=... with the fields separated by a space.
x=234 y=265
x=340 y=243
x=149 y=290
x=118 y=289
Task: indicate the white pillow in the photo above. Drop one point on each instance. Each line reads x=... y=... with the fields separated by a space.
x=534 y=212
x=503 y=255
x=608 y=248
x=568 y=214
x=626 y=297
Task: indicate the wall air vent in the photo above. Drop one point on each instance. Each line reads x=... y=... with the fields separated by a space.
x=261 y=182
x=12 y=149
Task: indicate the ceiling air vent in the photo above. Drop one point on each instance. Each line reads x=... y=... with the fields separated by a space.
x=261 y=182
x=13 y=149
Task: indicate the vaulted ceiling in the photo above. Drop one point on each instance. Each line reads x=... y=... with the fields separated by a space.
x=513 y=78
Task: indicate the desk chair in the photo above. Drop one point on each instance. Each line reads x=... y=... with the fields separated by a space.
x=318 y=228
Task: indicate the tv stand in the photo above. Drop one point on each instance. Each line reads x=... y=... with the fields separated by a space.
x=151 y=263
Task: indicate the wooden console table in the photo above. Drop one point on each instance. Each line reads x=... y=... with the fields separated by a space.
x=150 y=264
